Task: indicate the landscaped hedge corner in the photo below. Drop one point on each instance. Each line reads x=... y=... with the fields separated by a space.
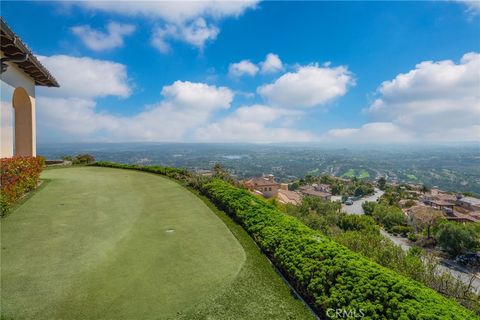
x=18 y=175
x=327 y=274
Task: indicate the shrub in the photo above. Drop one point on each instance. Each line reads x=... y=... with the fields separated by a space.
x=368 y=207
x=325 y=273
x=456 y=238
x=401 y=230
x=18 y=175
x=357 y=223
x=412 y=237
x=84 y=159
x=389 y=216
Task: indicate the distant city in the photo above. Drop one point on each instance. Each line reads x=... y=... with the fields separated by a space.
x=449 y=168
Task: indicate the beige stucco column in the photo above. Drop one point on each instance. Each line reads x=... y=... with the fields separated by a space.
x=25 y=138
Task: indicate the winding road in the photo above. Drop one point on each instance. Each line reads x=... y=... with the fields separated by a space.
x=356 y=207
x=445 y=265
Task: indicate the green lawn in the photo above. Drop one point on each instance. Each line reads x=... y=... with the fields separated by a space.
x=363 y=174
x=98 y=243
x=350 y=173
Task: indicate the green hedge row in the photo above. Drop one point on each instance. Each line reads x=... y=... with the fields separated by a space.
x=328 y=275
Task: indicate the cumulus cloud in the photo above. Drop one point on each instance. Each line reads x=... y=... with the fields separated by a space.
x=192 y=22
x=83 y=77
x=309 y=86
x=73 y=114
x=244 y=67
x=196 y=33
x=100 y=41
x=271 y=64
x=434 y=100
x=257 y=123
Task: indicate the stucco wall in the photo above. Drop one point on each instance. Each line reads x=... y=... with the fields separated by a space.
x=9 y=80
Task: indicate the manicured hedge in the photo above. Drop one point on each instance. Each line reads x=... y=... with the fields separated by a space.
x=18 y=175
x=327 y=275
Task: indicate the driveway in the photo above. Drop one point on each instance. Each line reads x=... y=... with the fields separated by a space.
x=356 y=207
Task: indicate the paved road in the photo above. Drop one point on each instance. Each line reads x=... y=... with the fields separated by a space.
x=356 y=207
x=444 y=266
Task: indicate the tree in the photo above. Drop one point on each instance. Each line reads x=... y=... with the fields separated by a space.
x=424 y=189
x=456 y=238
x=368 y=207
x=427 y=217
x=389 y=216
x=294 y=186
x=382 y=183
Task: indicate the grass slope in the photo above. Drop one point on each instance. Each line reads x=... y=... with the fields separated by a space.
x=95 y=244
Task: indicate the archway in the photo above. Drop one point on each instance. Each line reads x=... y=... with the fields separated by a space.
x=24 y=117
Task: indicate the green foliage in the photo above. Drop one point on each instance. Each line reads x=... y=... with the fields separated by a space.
x=67 y=158
x=84 y=159
x=327 y=274
x=358 y=223
x=382 y=183
x=456 y=238
x=293 y=186
x=401 y=230
x=368 y=207
x=412 y=237
x=389 y=216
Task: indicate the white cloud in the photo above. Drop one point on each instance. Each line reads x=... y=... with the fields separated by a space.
x=309 y=86
x=257 y=123
x=434 y=100
x=271 y=64
x=370 y=133
x=473 y=6
x=244 y=67
x=100 y=41
x=83 y=77
x=173 y=11
x=196 y=33
x=193 y=22
x=184 y=107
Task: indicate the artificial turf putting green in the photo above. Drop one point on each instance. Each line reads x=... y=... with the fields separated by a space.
x=98 y=243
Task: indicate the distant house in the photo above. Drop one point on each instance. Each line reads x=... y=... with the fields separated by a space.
x=266 y=186
x=469 y=203
x=20 y=73
x=315 y=191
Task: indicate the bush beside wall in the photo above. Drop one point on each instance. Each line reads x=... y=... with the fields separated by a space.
x=327 y=274
x=18 y=175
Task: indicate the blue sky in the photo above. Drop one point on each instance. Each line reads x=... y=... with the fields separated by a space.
x=150 y=71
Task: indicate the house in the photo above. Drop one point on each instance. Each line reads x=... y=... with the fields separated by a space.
x=266 y=186
x=287 y=196
x=314 y=191
x=20 y=73
x=469 y=203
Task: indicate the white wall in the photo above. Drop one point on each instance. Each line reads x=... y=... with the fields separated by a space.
x=10 y=80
